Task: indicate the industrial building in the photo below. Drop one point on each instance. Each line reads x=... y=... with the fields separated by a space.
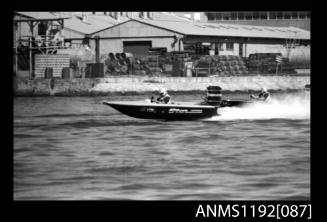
x=138 y=35
x=138 y=32
x=299 y=19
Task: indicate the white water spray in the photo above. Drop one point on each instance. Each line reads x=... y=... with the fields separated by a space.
x=286 y=107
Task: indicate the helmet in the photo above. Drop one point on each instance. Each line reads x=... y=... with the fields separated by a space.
x=162 y=91
x=263 y=89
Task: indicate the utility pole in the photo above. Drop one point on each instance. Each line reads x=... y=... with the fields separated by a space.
x=30 y=46
x=16 y=50
x=97 y=49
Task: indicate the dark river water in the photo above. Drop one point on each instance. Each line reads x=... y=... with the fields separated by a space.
x=76 y=148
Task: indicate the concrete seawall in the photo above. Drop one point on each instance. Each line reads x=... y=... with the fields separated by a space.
x=139 y=85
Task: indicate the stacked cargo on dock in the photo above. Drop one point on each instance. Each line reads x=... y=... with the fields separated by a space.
x=50 y=65
x=220 y=65
x=230 y=65
x=178 y=59
x=203 y=66
x=118 y=63
x=153 y=64
x=269 y=63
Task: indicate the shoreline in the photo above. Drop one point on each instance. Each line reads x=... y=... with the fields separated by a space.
x=129 y=86
x=148 y=93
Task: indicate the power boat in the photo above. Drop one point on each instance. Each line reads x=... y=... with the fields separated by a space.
x=177 y=110
x=171 y=111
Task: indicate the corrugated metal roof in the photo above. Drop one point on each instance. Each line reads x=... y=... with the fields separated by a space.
x=88 y=27
x=40 y=15
x=93 y=24
x=168 y=16
x=97 y=23
x=216 y=29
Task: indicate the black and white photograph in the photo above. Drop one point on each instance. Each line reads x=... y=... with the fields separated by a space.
x=161 y=105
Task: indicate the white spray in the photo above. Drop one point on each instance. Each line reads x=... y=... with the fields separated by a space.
x=296 y=106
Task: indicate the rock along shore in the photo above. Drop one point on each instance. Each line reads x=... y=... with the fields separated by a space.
x=145 y=84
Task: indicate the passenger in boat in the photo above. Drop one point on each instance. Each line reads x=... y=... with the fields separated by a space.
x=153 y=100
x=164 y=97
x=307 y=87
x=263 y=95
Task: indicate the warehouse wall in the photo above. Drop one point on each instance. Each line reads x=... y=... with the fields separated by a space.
x=68 y=34
x=230 y=52
x=134 y=31
x=265 y=48
x=116 y=45
x=299 y=53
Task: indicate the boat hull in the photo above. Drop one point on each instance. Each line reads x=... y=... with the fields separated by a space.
x=164 y=111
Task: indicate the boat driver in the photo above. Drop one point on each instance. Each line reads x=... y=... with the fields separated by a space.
x=163 y=97
x=263 y=95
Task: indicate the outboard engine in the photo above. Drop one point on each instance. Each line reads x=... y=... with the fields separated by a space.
x=214 y=96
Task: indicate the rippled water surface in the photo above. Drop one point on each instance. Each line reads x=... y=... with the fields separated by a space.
x=77 y=148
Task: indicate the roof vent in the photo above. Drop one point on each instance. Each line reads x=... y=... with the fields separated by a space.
x=150 y=15
x=84 y=17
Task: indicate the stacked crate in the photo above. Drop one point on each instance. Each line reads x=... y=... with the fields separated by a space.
x=57 y=62
x=165 y=63
x=230 y=65
x=178 y=59
x=153 y=64
x=140 y=66
x=203 y=66
x=220 y=65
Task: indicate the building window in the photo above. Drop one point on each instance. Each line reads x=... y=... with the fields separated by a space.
x=241 y=15
x=220 y=46
x=295 y=15
x=287 y=15
x=256 y=15
x=304 y=15
x=226 y=15
x=233 y=15
x=272 y=15
x=279 y=15
x=263 y=15
x=218 y=16
x=230 y=46
x=248 y=15
x=211 y=16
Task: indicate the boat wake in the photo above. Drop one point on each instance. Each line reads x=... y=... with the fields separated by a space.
x=286 y=107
